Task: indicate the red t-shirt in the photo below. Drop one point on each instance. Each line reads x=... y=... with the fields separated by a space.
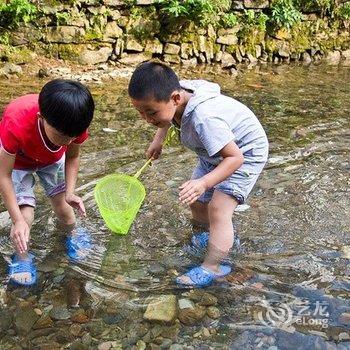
x=20 y=135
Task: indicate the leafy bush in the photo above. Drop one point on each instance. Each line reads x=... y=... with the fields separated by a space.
x=62 y=18
x=322 y=6
x=285 y=14
x=15 y=12
x=228 y=20
x=343 y=12
x=255 y=19
x=202 y=12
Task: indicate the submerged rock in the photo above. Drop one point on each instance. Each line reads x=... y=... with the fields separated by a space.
x=25 y=318
x=203 y=298
x=346 y=251
x=213 y=312
x=60 y=313
x=44 y=321
x=162 y=309
x=73 y=293
x=191 y=314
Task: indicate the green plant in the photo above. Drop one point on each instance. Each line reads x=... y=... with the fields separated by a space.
x=228 y=20
x=5 y=38
x=343 y=12
x=323 y=6
x=202 y=12
x=15 y=12
x=62 y=18
x=143 y=23
x=253 y=30
x=285 y=14
x=254 y=19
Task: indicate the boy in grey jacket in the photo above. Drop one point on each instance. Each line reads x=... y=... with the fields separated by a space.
x=231 y=146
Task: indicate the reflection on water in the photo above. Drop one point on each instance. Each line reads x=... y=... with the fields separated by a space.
x=291 y=284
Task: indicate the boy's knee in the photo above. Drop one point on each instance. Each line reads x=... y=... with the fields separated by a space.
x=215 y=208
x=65 y=214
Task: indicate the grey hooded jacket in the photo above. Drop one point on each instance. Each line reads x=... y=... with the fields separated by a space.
x=211 y=120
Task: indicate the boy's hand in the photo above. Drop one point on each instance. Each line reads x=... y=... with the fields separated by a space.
x=154 y=150
x=76 y=202
x=20 y=235
x=191 y=190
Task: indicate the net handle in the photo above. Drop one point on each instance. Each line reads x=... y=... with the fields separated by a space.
x=143 y=167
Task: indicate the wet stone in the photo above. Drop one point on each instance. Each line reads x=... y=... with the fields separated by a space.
x=58 y=272
x=344 y=336
x=78 y=346
x=74 y=289
x=346 y=252
x=86 y=339
x=166 y=343
x=25 y=319
x=176 y=347
x=204 y=298
x=80 y=316
x=185 y=304
x=63 y=337
x=345 y=318
x=162 y=308
x=49 y=345
x=60 y=313
x=140 y=345
x=105 y=345
x=191 y=316
x=156 y=268
x=5 y=320
x=44 y=321
x=213 y=312
x=112 y=318
x=128 y=342
x=47 y=266
x=75 y=329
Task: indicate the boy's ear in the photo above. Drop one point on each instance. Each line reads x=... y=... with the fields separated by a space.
x=176 y=97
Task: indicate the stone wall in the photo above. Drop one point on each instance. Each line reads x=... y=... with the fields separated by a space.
x=98 y=31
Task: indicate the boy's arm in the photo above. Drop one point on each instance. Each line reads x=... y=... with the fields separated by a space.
x=232 y=160
x=71 y=174
x=20 y=229
x=155 y=148
x=161 y=134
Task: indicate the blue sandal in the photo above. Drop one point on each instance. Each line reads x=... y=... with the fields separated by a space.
x=201 y=277
x=18 y=265
x=79 y=244
x=200 y=240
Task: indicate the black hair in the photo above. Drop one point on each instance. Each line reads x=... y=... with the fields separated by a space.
x=153 y=80
x=67 y=106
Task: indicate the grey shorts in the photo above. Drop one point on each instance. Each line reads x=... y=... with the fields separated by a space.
x=51 y=177
x=238 y=185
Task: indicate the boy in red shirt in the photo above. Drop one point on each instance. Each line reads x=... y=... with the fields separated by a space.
x=42 y=134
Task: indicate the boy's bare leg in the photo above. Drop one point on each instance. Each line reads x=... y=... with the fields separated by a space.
x=220 y=211
x=200 y=217
x=221 y=208
x=63 y=211
x=28 y=214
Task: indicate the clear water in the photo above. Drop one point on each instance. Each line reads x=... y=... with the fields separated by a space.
x=291 y=282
